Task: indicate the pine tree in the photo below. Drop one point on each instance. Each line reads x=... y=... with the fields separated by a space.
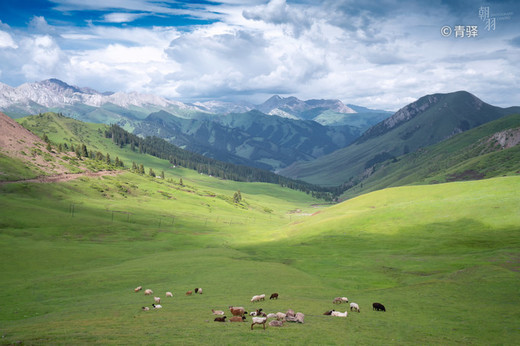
x=237 y=197
x=84 y=151
x=108 y=161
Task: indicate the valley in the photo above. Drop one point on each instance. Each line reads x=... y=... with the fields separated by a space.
x=443 y=258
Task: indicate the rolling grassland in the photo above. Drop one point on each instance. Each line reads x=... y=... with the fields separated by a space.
x=443 y=259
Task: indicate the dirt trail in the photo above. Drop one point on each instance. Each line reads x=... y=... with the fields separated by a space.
x=63 y=177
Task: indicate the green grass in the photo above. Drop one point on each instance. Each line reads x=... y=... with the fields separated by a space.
x=469 y=155
x=444 y=259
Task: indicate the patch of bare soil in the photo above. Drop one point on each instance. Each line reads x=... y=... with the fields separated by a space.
x=466 y=175
x=18 y=142
x=63 y=177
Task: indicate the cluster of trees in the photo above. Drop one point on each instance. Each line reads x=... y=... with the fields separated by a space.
x=82 y=151
x=139 y=169
x=160 y=148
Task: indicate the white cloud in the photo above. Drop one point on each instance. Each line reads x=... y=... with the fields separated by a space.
x=120 y=17
x=6 y=41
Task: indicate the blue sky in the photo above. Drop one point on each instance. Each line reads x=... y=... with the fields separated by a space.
x=380 y=54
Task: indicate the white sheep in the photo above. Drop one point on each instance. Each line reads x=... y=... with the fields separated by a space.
x=217 y=312
x=146 y=308
x=339 y=314
x=157 y=306
x=272 y=315
x=169 y=294
x=256 y=298
x=148 y=292
x=138 y=288
x=280 y=316
x=258 y=320
x=344 y=299
x=355 y=307
x=157 y=300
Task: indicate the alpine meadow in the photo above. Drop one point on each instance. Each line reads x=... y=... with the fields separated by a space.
x=442 y=258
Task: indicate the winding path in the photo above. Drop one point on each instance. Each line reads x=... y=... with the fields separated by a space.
x=62 y=177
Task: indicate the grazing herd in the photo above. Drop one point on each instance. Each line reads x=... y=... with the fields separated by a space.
x=258 y=316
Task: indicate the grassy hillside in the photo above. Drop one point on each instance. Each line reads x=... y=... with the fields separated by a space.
x=430 y=120
x=474 y=154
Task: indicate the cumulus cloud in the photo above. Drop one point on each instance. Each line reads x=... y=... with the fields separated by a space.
x=279 y=13
x=6 y=40
x=43 y=57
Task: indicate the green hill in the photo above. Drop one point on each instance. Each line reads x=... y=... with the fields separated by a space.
x=487 y=151
x=101 y=139
x=252 y=138
x=429 y=120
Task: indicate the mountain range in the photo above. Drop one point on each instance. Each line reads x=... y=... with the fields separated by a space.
x=322 y=142
x=271 y=135
x=429 y=120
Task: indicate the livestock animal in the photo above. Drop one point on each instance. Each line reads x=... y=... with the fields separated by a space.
x=339 y=314
x=189 y=293
x=257 y=312
x=237 y=319
x=292 y=317
x=146 y=308
x=280 y=315
x=258 y=298
x=328 y=313
x=138 y=288
x=157 y=306
x=378 y=307
x=169 y=294
x=198 y=290
x=217 y=312
x=220 y=319
x=273 y=296
x=355 y=307
x=275 y=323
x=271 y=315
x=157 y=300
x=148 y=292
x=237 y=311
x=258 y=320
x=339 y=300
x=289 y=313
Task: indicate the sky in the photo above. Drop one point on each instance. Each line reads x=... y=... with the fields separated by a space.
x=378 y=54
